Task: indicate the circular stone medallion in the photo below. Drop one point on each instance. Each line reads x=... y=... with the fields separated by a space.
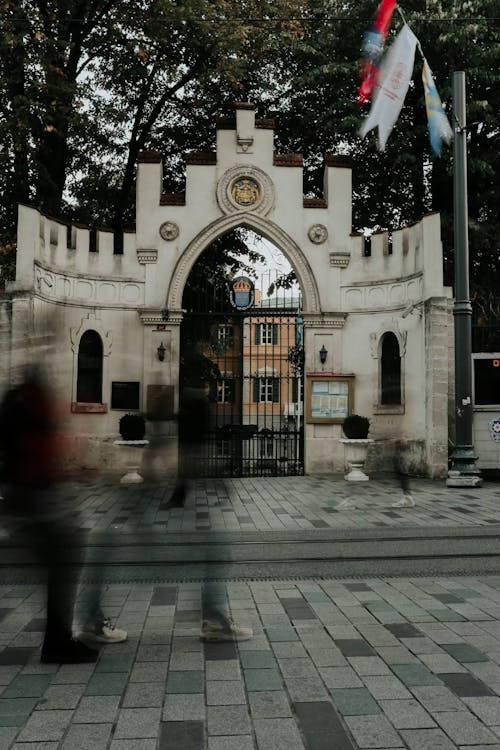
x=245 y=188
x=318 y=233
x=169 y=230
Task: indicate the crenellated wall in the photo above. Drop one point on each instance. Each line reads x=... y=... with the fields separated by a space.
x=69 y=280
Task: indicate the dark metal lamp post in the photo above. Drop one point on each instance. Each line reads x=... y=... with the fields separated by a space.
x=463 y=471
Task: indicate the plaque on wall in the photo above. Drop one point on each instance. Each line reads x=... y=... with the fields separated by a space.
x=160 y=402
x=125 y=394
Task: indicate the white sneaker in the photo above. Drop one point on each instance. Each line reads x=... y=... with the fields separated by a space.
x=216 y=631
x=406 y=501
x=102 y=632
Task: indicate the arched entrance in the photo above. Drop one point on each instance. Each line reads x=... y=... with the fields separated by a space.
x=241 y=348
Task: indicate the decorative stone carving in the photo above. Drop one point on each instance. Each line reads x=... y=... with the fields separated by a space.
x=390 y=325
x=149 y=256
x=169 y=230
x=155 y=317
x=340 y=258
x=317 y=233
x=91 y=323
x=245 y=188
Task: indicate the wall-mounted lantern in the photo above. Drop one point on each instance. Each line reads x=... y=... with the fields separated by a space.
x=323 y=353
x=161 y=352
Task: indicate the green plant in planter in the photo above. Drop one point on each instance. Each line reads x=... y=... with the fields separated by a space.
x=132 y=427
x=356 y=427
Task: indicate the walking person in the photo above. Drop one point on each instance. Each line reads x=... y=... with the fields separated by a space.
x=30 y=445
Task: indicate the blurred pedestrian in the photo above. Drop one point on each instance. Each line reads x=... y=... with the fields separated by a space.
x=30 y=444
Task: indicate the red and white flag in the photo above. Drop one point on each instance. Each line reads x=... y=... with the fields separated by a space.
x=394 y=79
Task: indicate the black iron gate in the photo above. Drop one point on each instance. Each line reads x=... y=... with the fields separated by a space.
x=252 y=363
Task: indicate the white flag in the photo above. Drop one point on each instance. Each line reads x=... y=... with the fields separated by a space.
x=395 y=76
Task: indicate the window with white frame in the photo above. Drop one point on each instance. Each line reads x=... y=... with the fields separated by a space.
x=266 y=390
x=266 y=333
x=225 y=390
x=225 y=335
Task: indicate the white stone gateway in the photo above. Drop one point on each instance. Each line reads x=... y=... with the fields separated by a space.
x=73 y=300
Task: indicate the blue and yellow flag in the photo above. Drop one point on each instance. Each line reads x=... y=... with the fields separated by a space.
x=439 y=127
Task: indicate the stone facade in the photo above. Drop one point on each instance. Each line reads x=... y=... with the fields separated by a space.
x=65 y=287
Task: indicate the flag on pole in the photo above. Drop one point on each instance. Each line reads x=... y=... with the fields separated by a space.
x=439 y=127
x=373 y=46
x=395 y=76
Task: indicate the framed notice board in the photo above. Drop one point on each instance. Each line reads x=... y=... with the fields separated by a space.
x=329 y=398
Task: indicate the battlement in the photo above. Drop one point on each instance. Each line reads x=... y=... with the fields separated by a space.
x=72 y=249
x=387 y=257
x=244 y=149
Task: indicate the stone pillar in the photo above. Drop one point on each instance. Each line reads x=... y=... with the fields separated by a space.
x=438 y=320
x=161 y=384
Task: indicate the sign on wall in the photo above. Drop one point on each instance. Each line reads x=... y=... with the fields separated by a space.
x=329 y=398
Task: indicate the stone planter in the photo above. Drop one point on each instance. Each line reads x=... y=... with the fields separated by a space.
x=355 y=455
x=133 y=459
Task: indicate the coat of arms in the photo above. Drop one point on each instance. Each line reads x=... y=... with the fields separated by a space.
x=242 y=292
x=245 y=191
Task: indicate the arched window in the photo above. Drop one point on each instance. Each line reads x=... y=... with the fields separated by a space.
x=89 y=382
x=391 y=370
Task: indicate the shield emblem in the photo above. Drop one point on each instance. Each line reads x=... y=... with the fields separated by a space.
x=242 y=292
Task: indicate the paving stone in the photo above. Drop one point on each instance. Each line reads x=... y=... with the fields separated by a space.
x=7 y=735
x=407 y=714
x=295 y=650
x=144 y=695
x=327 y=657
x=462 y=727
x=281 y=635
x=185 y=682
x=355 y=702
x=242 y=742
x=340 y=677
x=437 y=698
x=368 y=665
x=465 y=685
x=182 y=735
x=262 y=679
x=186 y=661
x=403 y=630
x=373 y=731
x=321 y=726
x=115 y=662
x=106 y=683
x=277 y=734
x=27 y=686
x=269 y=705
x=426 y=739
x=149 y=672
x=297 y=668
x=223 y=670
x=385 y=687
x=306 y=689
x=136 y=723
x=486 y=708
x=228 y=720
x=223 y=651
x=34 y=745
x=61 y=696
x=97 y=710
x=73 y=674
x=442 y=663
x=180 y=707
x=465 y=653
x=257 y=660
x=354 y=647
x=225 y=693
x=415 y=674
x=45 y=726
x=88 y=736
x=396 y=655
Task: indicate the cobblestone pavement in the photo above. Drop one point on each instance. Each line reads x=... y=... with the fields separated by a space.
x=288 y=503
x=378 y=663
x=334 y=663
